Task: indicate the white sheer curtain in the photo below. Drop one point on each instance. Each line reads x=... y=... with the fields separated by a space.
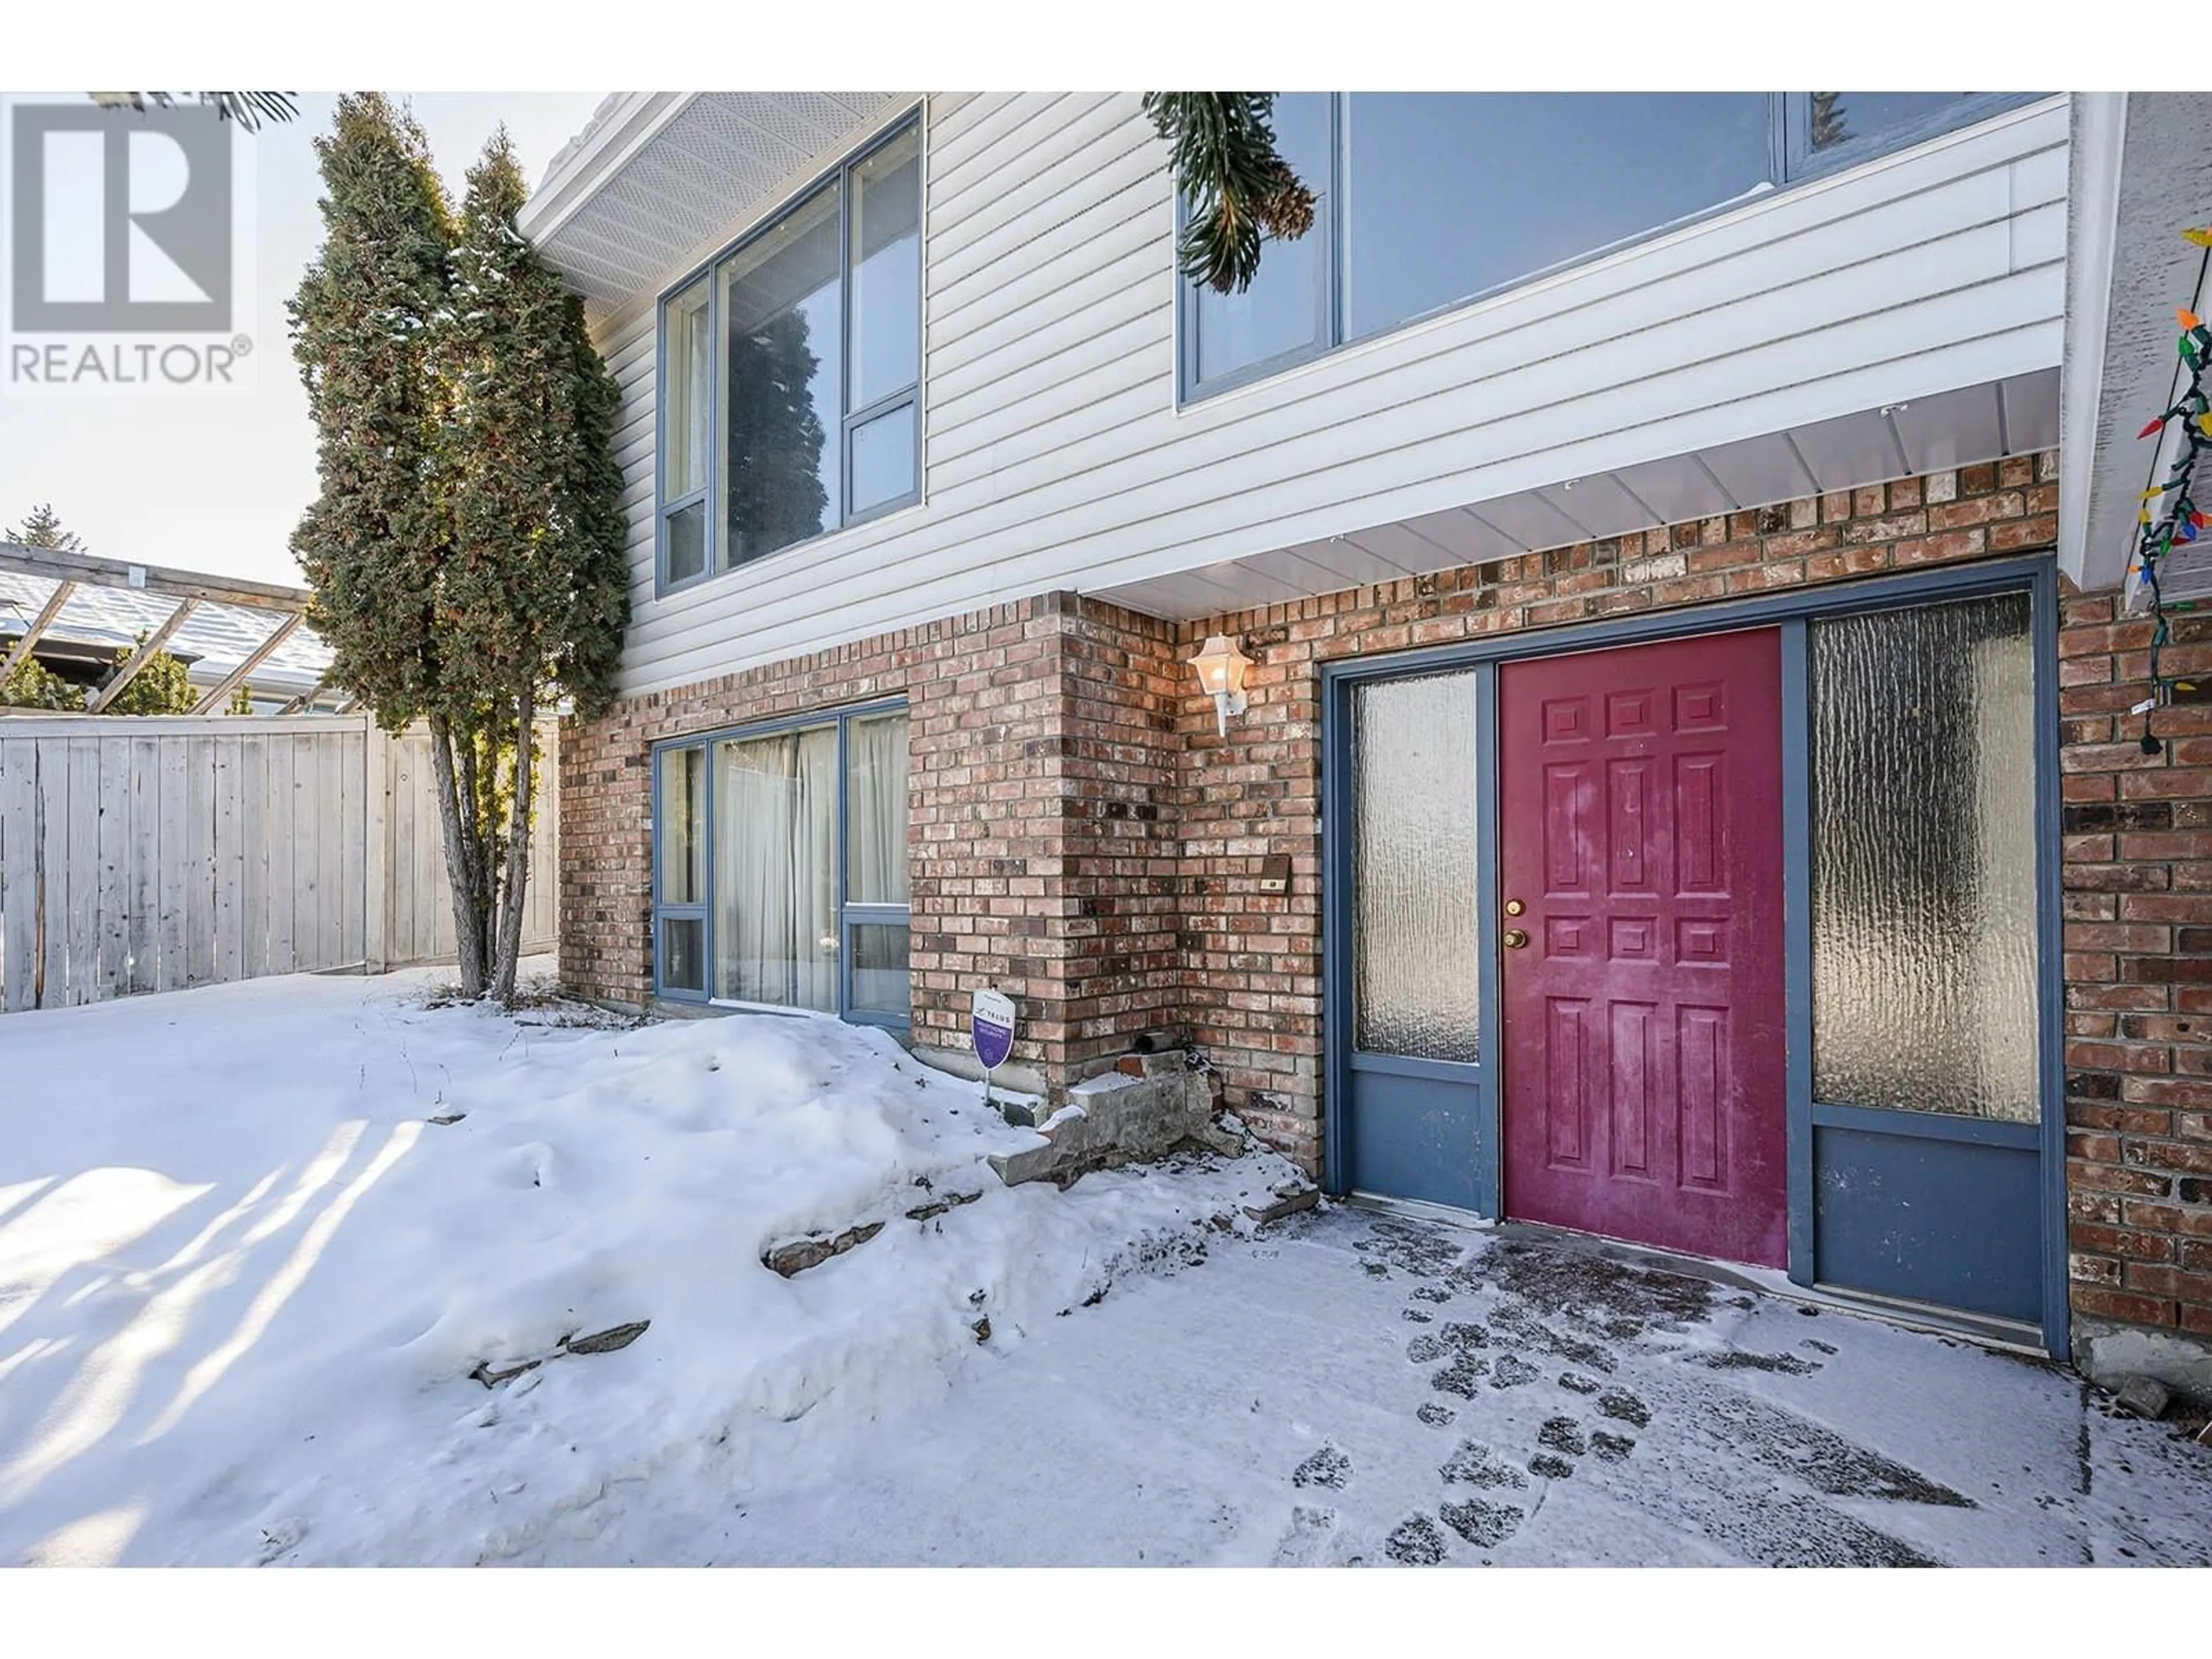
x=776 y=870
x=875 y=830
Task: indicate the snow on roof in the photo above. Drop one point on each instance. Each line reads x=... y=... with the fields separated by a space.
x=215 y=639
x=581 y=142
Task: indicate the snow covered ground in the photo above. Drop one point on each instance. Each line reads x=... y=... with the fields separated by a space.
x=245 y=1278
x=244 y=1275
x=1350 y=1388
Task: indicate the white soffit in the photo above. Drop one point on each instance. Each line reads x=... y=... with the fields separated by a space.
x=674 y=171
x=1948 y=429
x=1767 y=468
x=1599 y=506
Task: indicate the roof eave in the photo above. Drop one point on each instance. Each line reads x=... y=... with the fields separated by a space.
x=622 y=123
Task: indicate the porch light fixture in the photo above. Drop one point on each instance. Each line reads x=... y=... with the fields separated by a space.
x=1221 y=668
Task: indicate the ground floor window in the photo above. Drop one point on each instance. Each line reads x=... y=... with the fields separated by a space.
x=780 y=869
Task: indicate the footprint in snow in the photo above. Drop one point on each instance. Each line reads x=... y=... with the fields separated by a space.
x=1563 y=1435
x=1513 y=1371
x=1474 y=1464
x=280 y=1537
x=1484 y=1525
x=1327 y=1467
x=1461 y=1375
x=1312 y=1540
x=1625 y=1407
x=1415 y=1542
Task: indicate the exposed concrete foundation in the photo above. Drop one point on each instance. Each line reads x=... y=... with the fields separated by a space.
x=2110 y=1354
x=1116 y=1118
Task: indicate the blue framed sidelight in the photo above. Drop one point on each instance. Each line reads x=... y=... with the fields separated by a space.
x=1927 y=1174
x=780 y=870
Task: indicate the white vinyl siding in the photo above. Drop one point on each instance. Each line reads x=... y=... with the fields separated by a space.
x=1055 y=455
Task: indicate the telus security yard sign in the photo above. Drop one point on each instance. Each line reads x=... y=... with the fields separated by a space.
x=991 y=1022
x=128 y=245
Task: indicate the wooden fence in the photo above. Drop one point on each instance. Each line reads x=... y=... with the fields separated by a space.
x=153 y=854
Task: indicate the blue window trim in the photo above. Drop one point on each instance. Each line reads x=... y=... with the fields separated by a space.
x=849 y=420
x=1788 y=168
x=2036 y=574
x=851 y=913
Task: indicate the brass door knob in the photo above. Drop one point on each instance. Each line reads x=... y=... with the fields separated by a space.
x=1515 y=939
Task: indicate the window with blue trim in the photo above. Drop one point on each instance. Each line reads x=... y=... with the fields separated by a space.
x=1429 y=200
x=780 y=866
x=790 y=373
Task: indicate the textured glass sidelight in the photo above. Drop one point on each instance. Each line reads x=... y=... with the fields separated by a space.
x=1924 y=949
x=1415 y=951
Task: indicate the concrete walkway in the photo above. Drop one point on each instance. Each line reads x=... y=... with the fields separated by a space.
x=1358 y=1389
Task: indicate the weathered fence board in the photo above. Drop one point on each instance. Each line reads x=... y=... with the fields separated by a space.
x=144 y=854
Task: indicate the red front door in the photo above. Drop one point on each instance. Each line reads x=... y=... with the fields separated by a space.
x=1640 y=807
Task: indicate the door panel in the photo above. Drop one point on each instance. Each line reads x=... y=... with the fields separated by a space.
x=1639 y=799
x=1413 y=1136
x=1950 y=1224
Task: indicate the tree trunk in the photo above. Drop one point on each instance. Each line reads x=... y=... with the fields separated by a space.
x=477 y=785
x=515 y=877
x=457 y=807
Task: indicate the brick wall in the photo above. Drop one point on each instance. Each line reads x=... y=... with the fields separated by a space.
x=1041 y=848
x=1119 y=900
x=2138 y=903
x=1082 y=836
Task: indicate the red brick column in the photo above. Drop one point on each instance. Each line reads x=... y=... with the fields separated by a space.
x=2138 y=903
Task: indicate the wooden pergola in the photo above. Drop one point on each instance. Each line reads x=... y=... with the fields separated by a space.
x=191 y=589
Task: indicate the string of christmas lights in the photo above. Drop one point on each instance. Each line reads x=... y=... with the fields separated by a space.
x=2169 y=514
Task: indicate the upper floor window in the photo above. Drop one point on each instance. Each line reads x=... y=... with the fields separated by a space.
x=791 y=372
x=1428 y=200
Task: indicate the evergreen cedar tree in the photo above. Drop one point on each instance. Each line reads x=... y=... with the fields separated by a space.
x=248 y=109
x=465 y=549
x=1237 y=187
x=163 y=686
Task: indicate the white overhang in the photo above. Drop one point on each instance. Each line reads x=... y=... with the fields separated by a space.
x=2140 y=174
x=656 y=181
x=1930 y=433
